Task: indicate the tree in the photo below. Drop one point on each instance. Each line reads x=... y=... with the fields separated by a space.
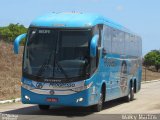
x=12 y=31
x=152 y=59
x=157 y=62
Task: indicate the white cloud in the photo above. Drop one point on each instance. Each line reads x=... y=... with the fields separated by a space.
x=119 y=8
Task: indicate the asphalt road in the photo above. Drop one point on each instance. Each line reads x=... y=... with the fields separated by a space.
x=147 y=101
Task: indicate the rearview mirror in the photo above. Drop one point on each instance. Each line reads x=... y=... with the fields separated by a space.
x=93 y=45
x=17 y=42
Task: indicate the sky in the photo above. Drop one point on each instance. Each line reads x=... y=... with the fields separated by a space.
x=140 y=16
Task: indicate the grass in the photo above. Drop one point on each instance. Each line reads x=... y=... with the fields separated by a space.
x=11 y=71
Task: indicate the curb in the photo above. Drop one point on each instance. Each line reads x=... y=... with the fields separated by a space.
x=10 y=101
x=149 y=81
x=19 y=99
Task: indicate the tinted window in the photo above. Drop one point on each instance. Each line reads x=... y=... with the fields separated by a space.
x=107 y=43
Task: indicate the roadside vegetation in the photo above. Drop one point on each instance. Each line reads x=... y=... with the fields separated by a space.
x=10 y=32
x=152 y=60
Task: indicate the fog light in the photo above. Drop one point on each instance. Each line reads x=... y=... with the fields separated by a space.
x=26 y=97
x=79 y=100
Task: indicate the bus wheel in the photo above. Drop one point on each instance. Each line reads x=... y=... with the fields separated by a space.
x=130 y=96
x=43 y=107
x=99 y=106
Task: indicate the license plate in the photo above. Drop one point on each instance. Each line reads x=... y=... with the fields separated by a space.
x=52 y=99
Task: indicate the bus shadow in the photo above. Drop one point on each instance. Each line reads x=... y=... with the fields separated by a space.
x=113 y=103
x=64 y=111
x=61 y=111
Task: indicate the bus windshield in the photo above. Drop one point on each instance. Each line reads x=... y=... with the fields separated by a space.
x=55 y=53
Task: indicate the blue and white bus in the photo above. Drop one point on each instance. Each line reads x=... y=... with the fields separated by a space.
x=79 y=59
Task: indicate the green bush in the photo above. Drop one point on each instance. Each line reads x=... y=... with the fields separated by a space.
x=11 y=31
x=152 y=59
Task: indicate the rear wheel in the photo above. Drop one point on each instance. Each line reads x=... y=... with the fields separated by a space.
x=43 y=107
x=99 y=106
x=130 y=95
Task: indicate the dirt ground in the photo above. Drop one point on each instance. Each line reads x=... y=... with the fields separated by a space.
x=10 y=72
x=150 y=75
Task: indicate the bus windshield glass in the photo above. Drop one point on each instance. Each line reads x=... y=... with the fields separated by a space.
x=56 y=53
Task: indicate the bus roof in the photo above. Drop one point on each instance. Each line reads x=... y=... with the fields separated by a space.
x=74 y=20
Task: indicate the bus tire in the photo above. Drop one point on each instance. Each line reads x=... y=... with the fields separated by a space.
x=130 y=95
x=98 y=107
x=43 y=107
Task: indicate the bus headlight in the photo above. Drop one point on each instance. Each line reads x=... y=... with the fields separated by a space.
x=78 y=89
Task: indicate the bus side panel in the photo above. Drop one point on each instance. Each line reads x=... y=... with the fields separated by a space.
x=111 y=72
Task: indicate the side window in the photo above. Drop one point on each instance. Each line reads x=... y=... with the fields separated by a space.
x=98 y=29
x=136 y=46
x=127 y=41
x=132 y=45
x=114 y=41
x=120 y=42
x=107 y=43
x=140 y=46
x=117 y=41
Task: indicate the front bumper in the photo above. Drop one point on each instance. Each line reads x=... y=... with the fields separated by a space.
x=63 y=100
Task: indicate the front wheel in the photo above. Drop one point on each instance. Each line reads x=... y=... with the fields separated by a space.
x=43 y=107
x=99 y=106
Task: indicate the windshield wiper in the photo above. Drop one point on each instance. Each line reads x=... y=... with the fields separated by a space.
x=61 y=69
x=46 y=62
